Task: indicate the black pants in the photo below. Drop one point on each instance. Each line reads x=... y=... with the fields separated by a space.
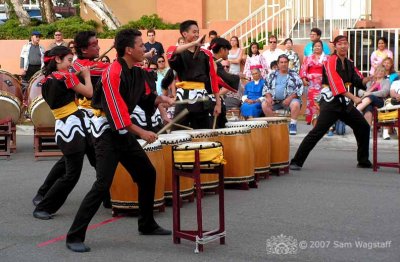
x=32 y=69
x=112 y=148
x=329 y=114
x=62 y=179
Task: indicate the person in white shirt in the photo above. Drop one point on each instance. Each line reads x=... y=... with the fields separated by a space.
x=273 y=52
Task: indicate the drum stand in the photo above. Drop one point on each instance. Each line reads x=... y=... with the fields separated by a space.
x=6 y=135
x=199 y=236
x=44 y=142
x=394 y=123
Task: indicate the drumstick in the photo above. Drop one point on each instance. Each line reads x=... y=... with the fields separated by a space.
x=104 y=54
x=182 y=126
x=78 y=73
x=187 y=101
x=183 y=113
x=197 y=48
x=214 y=122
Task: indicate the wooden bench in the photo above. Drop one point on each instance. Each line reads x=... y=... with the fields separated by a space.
x=44 y=142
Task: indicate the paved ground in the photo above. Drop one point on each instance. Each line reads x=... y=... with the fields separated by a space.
x=330 y=208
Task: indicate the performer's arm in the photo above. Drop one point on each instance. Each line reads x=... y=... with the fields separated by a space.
x=149 y=136
x=83 y=89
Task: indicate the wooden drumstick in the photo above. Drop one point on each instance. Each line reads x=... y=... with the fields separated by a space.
x=182 y=126
x=104 y=54
x=197 y=48
x=187 y=101
x=176 y=119
x=214 y=122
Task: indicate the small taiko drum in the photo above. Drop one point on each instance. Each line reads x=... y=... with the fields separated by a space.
x=124 y=192
x=388 y=113
x=38 y=109
x=279 y=134
x=10 y=96
x=239 y=154
x=208 y=181
x=211 y=155
x=186 y=184
x=260 y=136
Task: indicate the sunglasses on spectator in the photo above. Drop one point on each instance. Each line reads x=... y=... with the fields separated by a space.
x=272 y=42
x=160 y=61
x=225 y=66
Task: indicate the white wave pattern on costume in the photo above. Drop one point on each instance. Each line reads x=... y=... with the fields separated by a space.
x=88 y=115
x=326 y=94
x=98 y=125
x=66 y=131
x=193 y=94
x=140 y=117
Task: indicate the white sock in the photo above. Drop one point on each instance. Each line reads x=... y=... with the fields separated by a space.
x=293 y=121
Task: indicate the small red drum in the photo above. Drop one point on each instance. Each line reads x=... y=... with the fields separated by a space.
x=260 y=137
x=279 y=133
x=38 y=109
x=186 y=184
x=124 y=192
x=239 y=154
x=208 y=181
x=10 y=96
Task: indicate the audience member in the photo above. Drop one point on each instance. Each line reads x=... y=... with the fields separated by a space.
x=273 y=52
x=31 y=58
x=235 y=56
x=252 y=96
x=294 y=60
x=58 y=40
x=255 y=60
x=381 y=53
x=315 y=35
x=152 y=44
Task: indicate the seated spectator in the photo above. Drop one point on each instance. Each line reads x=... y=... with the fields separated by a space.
x=389 y=70
x=231 y=99
x=378 y=55
x=106 y=59
x=395 y=92
x=283 y=90
x=252 y=96
x=377 y=91
x=273 y=67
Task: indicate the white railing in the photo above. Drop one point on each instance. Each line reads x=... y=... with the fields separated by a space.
x=364 y=41
x=295 y=18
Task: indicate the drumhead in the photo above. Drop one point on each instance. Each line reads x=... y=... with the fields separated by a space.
x=196 y=145
x=173 y=139
x=251 y=124
x=9 y=108
x=233 y=131
x=156 y=145
x=272 y=119
x=197 y=133
x=41 y=114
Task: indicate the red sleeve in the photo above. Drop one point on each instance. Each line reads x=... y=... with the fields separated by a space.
x=71 y=80
x=170 y=52
x=116 y=105
x=213 y=72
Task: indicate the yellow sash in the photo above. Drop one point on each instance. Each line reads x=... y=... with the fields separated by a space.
x=64 y=111
x=187 y=85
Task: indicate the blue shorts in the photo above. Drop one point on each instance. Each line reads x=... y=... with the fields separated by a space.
x=375 y=102
x=278 y=104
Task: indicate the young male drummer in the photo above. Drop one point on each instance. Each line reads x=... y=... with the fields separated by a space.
x=123 y=86
x=197 y=71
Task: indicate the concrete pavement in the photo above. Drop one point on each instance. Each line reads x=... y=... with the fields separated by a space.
x=328 y=211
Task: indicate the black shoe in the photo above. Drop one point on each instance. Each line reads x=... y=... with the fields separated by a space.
x=78 y=247
x=107 y=204
x=158 y=231
x=294 y=166
x=37 y=199
x=365 y=165
x=42 y=215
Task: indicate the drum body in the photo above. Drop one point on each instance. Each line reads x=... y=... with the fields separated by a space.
x=186 y=187
x=279 y=134
x=10 y=97
x=239 y=154
x=233 y=114
x=208 y=180
x=38 y=109
x=260 y=137
x=124 y=192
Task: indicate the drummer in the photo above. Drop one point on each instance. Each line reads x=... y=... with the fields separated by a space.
x=123 y=86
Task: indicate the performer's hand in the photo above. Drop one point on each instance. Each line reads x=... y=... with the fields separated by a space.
x=166 y=120
x=164 y=100
x=217 y=110
x=85 y=71
x=148 y=136
x=200 y=41
x=23 y=72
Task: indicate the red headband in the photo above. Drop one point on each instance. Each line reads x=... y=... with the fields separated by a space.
x=47 y=59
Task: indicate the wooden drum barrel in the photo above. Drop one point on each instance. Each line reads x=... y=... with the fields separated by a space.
x=10 y=97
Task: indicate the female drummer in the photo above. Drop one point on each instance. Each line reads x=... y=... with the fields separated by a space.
x=58 y=90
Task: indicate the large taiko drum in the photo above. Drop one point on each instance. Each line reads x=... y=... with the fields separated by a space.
x=208 y=180
x=239 y=154
x=186 y=187
x=279 y=134
x=260 y=136
x=10 y=96
x=124 y=192
x=38 y=109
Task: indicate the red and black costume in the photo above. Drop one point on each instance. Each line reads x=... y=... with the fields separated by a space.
x=72 y=137
x=334 y=106
x=121 y=89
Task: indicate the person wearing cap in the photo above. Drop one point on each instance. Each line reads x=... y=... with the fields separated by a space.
x=336 y=102
x=31 y=58
x=58 y=40
x=315 y=35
